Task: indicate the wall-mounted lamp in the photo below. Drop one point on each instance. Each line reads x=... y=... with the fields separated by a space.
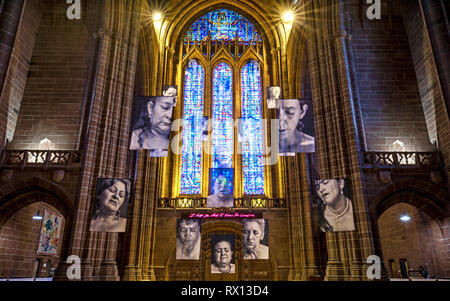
x=288 y=16
x=157 y=16
x=45 y=144
x=405 y=218
x=37 y=216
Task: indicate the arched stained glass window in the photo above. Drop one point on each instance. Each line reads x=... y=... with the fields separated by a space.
x=233 y=38
x=222 y=116
x=222 y=24
x=252 y=145
x=191 y=157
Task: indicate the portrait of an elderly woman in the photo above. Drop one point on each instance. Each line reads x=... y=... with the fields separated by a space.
x=293 y=125
x=255 y=238
x=153 y=120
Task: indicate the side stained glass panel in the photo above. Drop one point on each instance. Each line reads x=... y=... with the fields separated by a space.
x=191 y=157
x=222 y=118
x=252 y=144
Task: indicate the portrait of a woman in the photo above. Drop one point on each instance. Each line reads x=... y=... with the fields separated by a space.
x=335 y=205
x=255 y=238
x=273 y=94
x=221 y=188
x=153 y=120
x=110 y=205
x=292 y=124
x=222 y=254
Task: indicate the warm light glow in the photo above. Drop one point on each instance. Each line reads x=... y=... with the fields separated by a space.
x=405 y=218
x=288 y=16
x=45 y=144
x=157 y=16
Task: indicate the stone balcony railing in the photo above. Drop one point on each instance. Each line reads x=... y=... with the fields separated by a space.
x=427 y=160
x=239 y=203
x=39 y=158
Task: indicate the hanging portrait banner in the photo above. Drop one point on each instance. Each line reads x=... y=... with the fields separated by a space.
x=255 y=235
x=152 y=121
x=110 y=205
x=335 y=205
x=273 y=94
x=220 y=188
x=296 y=126
x=188 y=239
x=222 y=254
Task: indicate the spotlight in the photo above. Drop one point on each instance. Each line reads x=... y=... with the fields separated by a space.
x=157 y=16
x=405 y=218
x=288 y=16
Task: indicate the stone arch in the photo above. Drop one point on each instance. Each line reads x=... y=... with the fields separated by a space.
x=432 y=199
x=427 y=196
x=22 y=192
x=18 y=194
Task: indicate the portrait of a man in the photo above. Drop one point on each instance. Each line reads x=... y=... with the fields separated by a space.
x=222 y=253
x=296 y=126
x=152 y=124
x=220 y=188
x=273 y=94
x=188 y=239
x=335 y=205
x=110 y=205
x=255 y=237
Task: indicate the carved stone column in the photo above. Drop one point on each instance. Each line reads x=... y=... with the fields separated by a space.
x=338 y=144
x=106 y=146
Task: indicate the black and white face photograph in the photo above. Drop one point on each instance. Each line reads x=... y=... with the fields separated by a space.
x=296 y=126
x=170 y=91
x=188 y=239
x=335 y=205
x=246 y=129
x=152 y=124
x=273 y=94
x=110 y=205
x=222 y=253
x=220 y=188
x=256 y=238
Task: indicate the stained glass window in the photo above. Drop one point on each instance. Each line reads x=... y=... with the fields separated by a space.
x=252 y=146
x=191 y=157
x=222 y=24
x=222 y=118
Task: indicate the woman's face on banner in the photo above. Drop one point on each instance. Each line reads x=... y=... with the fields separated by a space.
x=221 y=186
x=253 y=234
x=223 y=253
x=112 y=198
x=329 y=190
x=161 y=115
